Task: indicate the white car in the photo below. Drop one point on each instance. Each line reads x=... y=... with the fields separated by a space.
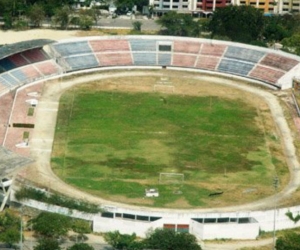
x=129 y=13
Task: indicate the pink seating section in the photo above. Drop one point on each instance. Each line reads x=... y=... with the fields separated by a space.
x=112 y=52
x=186 y=47
x=47 y=68
x=114 y=59
x=30 y=72
x=199 y=55
x=279 y=62
x=208 y=62
x=35 y=55
x=266 y=74
x=39 y=70
x=208 y=56
x=109 y=45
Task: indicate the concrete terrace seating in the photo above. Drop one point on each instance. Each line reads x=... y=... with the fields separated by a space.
x=8 y=80
x=266 y=74
x=183 y=60
x=186 y=47
x=279 y=62
x=109 y=45
x=143 y=45
x=82 y=62
x=218 y=56
x=114 y=59
x=235 y=67
x=73 y=48
x=243 y=54
x=208 y=62
x=211 y=49
x=48 y=68
x=164 y=59
x=26 y=74
x=144 y=59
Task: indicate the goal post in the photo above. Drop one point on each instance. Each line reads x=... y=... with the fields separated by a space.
x=174 y=178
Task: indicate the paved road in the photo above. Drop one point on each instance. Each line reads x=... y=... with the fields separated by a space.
x=126 y=22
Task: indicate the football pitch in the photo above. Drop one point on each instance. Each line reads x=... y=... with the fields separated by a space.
x=114 y=143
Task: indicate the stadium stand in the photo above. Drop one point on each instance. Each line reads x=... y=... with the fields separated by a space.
x=266 y=74
x=35 y=55
x=279 y=62
x=184 y=60
x=164 y=59
x=114 y=59
x=6 y=64
x=18 y=60
x=235 y=67
x=213 y=49
x=48 y=68
x=26 y=74
x=186 y=47
x=144 y=59
x=243 y=54
x=207 y=62
x=109 y=45
x=8 y=80
x=82 y=62
x=143 y=45
x=73 y=48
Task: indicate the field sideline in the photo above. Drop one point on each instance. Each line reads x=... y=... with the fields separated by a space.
x=222 y=139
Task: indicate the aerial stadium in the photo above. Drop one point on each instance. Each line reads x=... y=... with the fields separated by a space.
x=160 y=131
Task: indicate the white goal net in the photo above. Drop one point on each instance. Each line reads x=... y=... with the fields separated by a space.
x=171 y=178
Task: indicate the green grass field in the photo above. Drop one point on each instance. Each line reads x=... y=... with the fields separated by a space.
x=115 y=144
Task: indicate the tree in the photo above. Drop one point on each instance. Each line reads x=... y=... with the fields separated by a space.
x=80 y=246
x=292 y=44
x=166 y=239
x=86 y=18
x=289 y=241
x=9 y=228
x=239 y=23
x=123 y=241
x=36 y=14
x=162 y=239
x=51 y=225
x=175 y=24
x=274 y=30
x=137 y=25
x=61 y=17
x=47 y=244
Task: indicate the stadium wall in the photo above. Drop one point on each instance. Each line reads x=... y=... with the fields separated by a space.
x=259 y=221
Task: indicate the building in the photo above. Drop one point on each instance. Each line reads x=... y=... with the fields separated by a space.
x=207 y=6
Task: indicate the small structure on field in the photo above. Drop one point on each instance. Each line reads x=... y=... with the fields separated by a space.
x=151 y=192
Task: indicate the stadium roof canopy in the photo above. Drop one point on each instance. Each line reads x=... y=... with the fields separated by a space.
x=10 y=49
